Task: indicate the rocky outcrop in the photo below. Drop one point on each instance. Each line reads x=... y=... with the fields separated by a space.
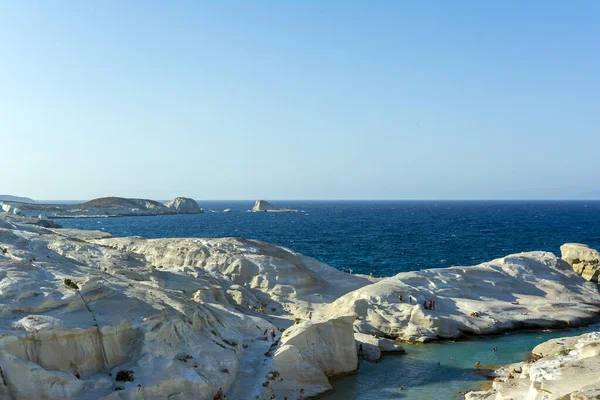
x=80 y=310
x=265 y=206
x=184 y=205
x=528 y=290
x=584 y=260
x=372 y=347
x=566 y=368
x=312 y=352
x=11 y=209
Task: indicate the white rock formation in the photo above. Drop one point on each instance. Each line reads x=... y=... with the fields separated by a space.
x=373 y=347
x=568 y=368
x=184 y=205
x=265 y=206
x=584 y=260
x=528 y=290
x=78 y=309
x=310 y=353
x=8 y=208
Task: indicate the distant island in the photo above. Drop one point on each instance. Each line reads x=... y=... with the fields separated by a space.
x=265 y=206
x=109 y=207
x=7 y=197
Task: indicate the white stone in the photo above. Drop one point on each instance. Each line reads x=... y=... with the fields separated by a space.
x=548 y=292
x=184 y=205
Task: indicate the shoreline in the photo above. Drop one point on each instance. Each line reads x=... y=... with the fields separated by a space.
x=196 y=282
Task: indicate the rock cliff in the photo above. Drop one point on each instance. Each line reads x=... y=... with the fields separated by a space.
x=584 y=260
x=310 y=353
x=184 y=205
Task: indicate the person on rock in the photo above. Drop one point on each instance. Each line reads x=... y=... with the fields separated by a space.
x=273 y=334
x=219 y=395
x=301 y=394
x=409 y=299
x=425 y=304
x=430 y=304
x=310 y=315
x=400 y=297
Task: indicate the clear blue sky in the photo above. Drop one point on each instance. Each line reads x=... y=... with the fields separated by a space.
x=300 y=99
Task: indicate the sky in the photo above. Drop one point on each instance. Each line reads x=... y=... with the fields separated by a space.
x=300 y=99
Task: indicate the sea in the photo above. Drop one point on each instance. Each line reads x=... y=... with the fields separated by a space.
x=388 y=237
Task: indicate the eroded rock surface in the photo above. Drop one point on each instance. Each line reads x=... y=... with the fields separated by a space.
x=185 y=316
x=584 y=260
x=567 y=368
x=528 y=290
x=181 y=318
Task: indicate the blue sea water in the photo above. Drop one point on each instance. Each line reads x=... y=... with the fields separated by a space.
x=384 y=237
x=387 y=237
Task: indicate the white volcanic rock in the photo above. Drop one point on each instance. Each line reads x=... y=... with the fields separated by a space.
x=187 y=316
x=278 y=277
x=373 y=347
x=584 y=260
x=184 y=205
x=311 y=352
x=528 y=290
x=569 y=369
x=76 y=308
x=265 y=206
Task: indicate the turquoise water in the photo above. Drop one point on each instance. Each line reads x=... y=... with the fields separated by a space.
x=422 y=379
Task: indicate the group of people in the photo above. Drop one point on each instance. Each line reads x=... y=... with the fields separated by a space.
x=428 y=305
x=272 y=334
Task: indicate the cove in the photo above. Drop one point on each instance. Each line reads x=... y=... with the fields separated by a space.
x=421 y=377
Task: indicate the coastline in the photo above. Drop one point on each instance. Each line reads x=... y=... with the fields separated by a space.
x=228 y=275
